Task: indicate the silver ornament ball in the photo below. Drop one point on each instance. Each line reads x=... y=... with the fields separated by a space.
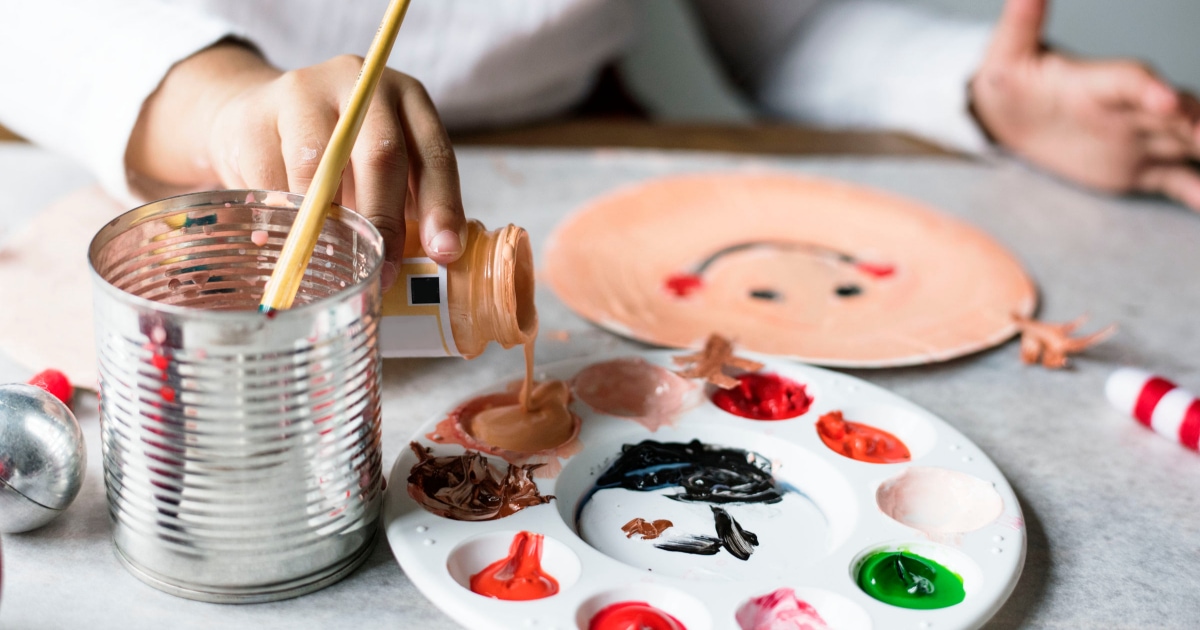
x=42 y=458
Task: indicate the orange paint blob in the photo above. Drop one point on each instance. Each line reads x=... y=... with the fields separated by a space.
x=764 y=397
x=519 y=576
x=862 y=442
x=633 y=616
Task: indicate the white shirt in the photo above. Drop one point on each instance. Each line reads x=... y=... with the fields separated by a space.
x=74 y=73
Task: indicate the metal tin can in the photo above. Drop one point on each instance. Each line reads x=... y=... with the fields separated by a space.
x=241 y=452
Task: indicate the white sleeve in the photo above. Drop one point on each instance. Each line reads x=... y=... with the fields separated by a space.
x=74 y=73
x=869 y=65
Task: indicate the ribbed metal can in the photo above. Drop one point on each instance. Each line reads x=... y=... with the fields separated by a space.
x=241 y=452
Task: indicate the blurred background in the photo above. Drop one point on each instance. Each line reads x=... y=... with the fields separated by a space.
x=673 y=75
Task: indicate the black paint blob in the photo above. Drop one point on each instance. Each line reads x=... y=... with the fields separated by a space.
x=730 y=536
x=765 y=294
x=706 y=474
x=848 y=290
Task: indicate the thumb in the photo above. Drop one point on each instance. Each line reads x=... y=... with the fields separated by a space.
x=1019 y=31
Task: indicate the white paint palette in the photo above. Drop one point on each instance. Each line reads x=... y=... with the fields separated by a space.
x=834 y=514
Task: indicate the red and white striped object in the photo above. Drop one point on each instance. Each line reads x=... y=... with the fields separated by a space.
x=1157 y=403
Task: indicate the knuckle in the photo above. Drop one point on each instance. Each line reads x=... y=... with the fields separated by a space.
x=1136 y=70
x=409 y=83
x=384 y=157
x=389 y=224
x=301 y=170
x=346 y=63
x=296 y=81
x=438 y=156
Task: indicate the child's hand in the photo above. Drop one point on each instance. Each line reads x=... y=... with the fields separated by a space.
x=1111 y=125
x=225 y=116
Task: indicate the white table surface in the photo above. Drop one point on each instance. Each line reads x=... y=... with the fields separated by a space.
x=1112 y=511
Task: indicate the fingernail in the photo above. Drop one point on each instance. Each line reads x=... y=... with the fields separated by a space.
x=446 y=242
x=387 y=275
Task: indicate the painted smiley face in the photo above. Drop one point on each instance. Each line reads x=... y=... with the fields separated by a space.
x=822 y=271
x=779 y=272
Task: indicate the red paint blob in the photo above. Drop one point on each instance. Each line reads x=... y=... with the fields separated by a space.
x=684 y=284
x=56 y=383
x=862 y=442
x=764 y=397
x=167 y=393
x=877 y=270
x=518 y=577
x=633 y=616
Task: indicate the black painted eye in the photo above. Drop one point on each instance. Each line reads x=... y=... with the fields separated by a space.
x=848 y=290
x=764 y=294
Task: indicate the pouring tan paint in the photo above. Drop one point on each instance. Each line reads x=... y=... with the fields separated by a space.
x=484 y=296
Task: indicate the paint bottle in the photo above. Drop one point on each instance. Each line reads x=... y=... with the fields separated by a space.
x=456 y=310
x=1172 y=412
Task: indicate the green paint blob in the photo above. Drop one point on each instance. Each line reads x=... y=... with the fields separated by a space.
x=904 y=579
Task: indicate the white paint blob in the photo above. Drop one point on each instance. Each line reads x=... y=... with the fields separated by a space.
x=259 y=237
x=939 y=501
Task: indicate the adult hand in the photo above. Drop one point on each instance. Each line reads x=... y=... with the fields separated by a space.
x=226 y=116
x=1111 y=125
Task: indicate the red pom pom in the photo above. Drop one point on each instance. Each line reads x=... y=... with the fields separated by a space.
x=56 y=383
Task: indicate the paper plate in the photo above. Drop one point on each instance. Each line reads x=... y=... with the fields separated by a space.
x=820 y=271
x=834 y=513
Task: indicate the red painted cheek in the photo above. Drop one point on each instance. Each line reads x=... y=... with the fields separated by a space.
x=876 y=270
x=861 y=442
x=518 y=577
x=764 y=397
x=684 y=284
x=633 y=616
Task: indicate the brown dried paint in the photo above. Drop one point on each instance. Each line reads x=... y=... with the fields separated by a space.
x=468 y=487
x=646 y=529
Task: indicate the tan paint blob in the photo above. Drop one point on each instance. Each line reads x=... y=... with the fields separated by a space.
x=545 y=424
x=633 y=388
x=954 y=289
x=544 y=434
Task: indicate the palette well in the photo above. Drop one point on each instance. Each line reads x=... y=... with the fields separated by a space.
x=699 y=518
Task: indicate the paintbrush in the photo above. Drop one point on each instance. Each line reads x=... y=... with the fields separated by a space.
x=302 y=238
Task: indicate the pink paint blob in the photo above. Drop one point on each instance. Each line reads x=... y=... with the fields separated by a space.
x=259 y=237
x=779 y=610
x=633 y=388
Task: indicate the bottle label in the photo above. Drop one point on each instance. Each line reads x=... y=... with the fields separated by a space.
x=416 y=313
